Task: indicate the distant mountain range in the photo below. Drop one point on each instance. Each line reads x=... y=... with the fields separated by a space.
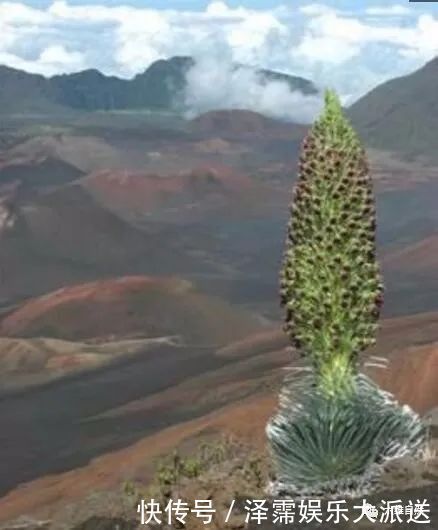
x=161 y=86
x=402 y=114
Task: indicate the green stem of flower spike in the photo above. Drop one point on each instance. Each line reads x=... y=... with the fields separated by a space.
x=336 y=376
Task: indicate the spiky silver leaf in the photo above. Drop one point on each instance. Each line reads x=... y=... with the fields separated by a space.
x=322 y=445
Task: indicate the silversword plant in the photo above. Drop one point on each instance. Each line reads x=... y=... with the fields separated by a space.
x=334 y=426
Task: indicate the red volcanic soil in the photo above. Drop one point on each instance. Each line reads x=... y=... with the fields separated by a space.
x=396 y=334
x=412 y=376
x=270 y=340
x=130 y=306
x=151 y=189
x=83 y=152
x=410 y=344
x=244 y=396
x=202 y=189
x=243 y=122
x=36 y=175
x=41 y=496
x=418 y=258
x=66 y=237
x=244 y=419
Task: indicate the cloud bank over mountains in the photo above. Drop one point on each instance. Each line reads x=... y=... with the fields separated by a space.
x=351 y=51
x=218 y=84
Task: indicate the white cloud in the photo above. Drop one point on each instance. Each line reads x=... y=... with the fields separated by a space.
x=15 y=14
x=51 y=61
x=350 y=50
x=213 y=85
x=251 y=33
x=325 y=49
x=221 y=9
x=56 y=57
x=345 y=37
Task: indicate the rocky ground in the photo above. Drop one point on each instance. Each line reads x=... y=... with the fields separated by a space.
x=232 y=474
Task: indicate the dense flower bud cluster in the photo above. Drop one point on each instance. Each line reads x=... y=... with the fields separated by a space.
x=330 y=283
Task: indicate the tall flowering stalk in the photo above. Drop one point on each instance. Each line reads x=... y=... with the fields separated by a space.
x=330 y=283
x=334 y=427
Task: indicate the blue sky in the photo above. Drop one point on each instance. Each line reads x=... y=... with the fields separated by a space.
x=348 y=45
